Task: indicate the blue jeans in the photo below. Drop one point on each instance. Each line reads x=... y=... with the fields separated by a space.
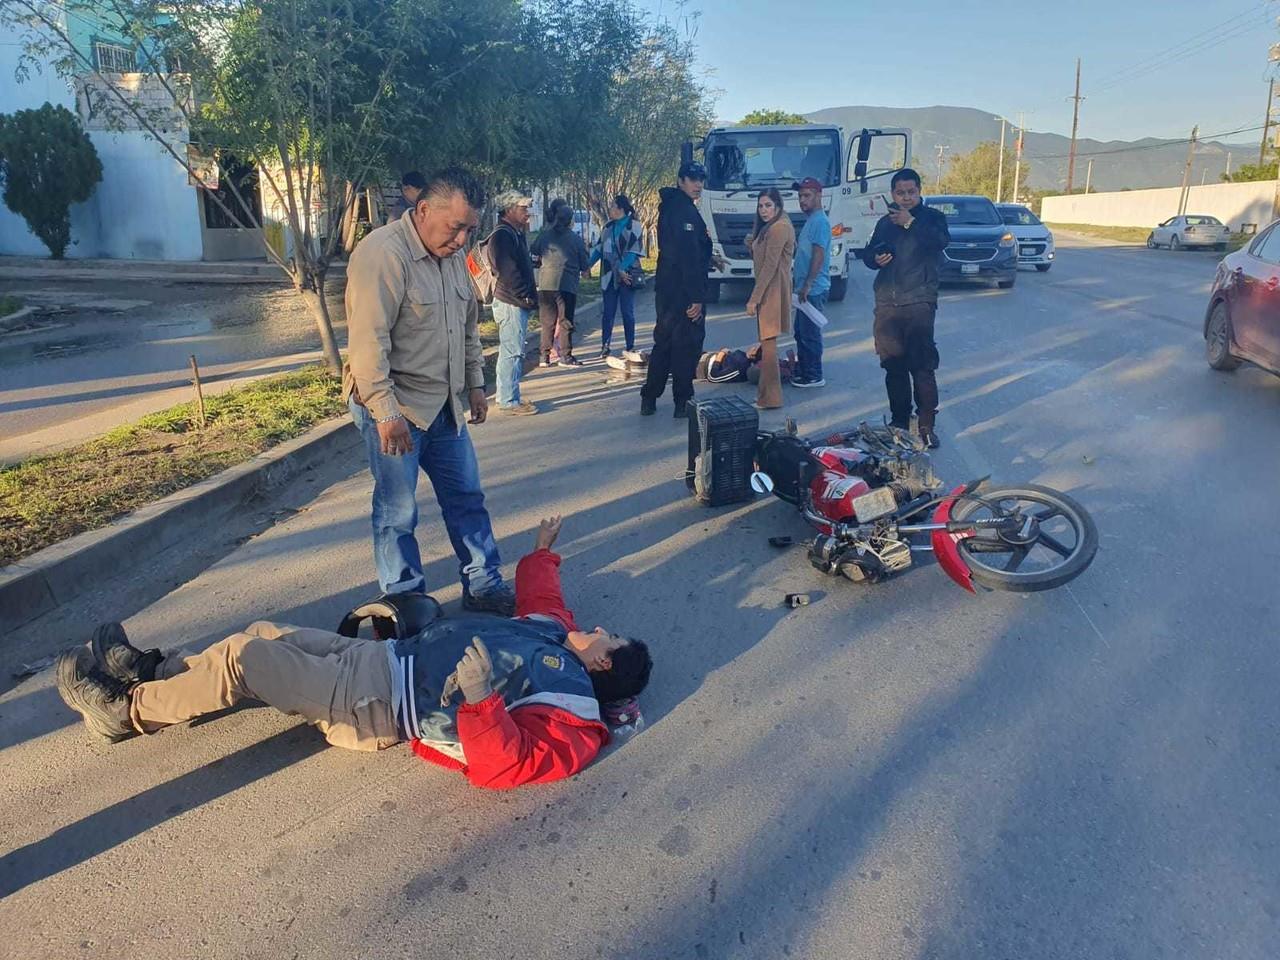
x=809 y=340
x=449 y=460
x=513 y=327
x=615 y=295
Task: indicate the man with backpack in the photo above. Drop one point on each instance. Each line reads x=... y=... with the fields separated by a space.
x=515 y=294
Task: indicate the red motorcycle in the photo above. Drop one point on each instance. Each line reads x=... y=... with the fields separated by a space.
x=872 y=496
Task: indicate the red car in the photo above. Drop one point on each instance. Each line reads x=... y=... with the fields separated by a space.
x=1243 y=319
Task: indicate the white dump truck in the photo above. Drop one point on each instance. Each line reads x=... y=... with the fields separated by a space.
x=854 y=168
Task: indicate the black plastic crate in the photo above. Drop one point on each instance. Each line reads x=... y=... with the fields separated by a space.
x=722 y=431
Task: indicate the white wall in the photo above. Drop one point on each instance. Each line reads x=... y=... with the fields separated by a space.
x=1234 y=204
x=143 y=207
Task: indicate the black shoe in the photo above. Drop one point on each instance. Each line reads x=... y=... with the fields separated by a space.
x=807 y=382
x=605 y=352
x=648 y=407
x=929 y=438
x=500 y=600
x=546 y=362
x=119 y=658
x=681 y=412
x=570 y=362
x=102 y=700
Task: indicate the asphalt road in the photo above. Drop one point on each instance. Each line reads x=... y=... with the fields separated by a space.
x=120 y=350
x=898 y=771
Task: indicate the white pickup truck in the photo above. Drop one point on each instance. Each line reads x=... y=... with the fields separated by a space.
x=854 y=168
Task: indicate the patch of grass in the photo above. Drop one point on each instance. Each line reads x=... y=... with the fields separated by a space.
x=47 y=499
x=1123 y=234
x=9 y=305
x=1131 y=234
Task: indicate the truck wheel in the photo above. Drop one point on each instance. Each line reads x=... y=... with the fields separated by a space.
x=713 y=291
x=839 y=287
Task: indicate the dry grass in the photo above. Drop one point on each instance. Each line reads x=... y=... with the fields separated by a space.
x=44 y=500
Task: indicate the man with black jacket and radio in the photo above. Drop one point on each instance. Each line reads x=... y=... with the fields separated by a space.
x=680 y=292
x=514 y=296
x=905 y=248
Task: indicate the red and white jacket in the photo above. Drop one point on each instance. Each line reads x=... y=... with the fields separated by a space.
x=534 y=742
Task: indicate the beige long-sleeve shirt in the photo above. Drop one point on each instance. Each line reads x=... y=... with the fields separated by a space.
x=413 y=340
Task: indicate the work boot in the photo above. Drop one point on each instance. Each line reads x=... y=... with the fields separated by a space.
x=929 y=438
x=119 y=658
x=102 y=700
x=681 y=412
x=500 y=600
x=648 y=406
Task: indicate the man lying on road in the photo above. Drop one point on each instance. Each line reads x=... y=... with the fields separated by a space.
x=531 y=686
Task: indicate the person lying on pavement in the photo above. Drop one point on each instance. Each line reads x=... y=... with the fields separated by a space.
x=505 y=701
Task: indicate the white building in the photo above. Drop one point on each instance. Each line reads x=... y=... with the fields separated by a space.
x=144 y=208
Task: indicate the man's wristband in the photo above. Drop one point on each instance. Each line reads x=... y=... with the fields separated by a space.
x=390 y=419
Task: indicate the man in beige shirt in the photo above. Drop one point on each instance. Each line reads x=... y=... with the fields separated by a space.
x=413 y=360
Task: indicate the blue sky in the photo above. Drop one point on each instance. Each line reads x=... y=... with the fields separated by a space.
x=997 y=56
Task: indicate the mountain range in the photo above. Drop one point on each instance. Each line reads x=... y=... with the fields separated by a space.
x=1117 y=164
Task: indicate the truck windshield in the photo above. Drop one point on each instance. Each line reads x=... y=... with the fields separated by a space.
x=741 y=159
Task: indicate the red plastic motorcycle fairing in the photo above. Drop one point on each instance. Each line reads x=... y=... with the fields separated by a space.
x=946 y=545
x=833 y=493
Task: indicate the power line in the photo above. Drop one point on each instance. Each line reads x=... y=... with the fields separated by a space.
x=1163 y=144
x=1220 y=33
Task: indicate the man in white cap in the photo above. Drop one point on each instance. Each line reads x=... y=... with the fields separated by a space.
x=514 y=296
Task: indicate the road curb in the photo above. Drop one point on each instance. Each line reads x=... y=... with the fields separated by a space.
x=49 y=578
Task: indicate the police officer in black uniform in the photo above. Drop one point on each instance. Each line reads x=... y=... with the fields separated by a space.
x=680 y=292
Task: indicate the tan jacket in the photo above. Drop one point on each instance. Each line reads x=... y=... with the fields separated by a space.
x=413 y=340
x=772 y=254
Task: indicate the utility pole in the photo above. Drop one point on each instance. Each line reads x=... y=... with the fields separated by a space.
x=1088 y=177
x=1017 y=154
x=942 y=149
x=1228 y=163
x=1186 y=171
x=1000 y=168
x=1266 y=122
x=1075 y=125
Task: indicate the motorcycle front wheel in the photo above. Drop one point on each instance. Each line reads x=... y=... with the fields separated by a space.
x=1058 y=547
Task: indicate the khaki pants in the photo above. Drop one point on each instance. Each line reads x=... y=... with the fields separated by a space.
x=341 y=685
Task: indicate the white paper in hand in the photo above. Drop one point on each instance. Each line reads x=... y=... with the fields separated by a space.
x=809 y=310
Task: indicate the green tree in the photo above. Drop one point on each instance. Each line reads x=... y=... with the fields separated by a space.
x=1251 y=171
x=658 y=102
x=316 y=95
x=766 y=117
x=978 y=172
x=47 y=163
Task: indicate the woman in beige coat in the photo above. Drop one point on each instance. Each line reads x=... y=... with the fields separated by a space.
x=773 y=244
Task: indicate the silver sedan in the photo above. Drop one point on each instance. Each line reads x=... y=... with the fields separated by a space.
x=1190 y=231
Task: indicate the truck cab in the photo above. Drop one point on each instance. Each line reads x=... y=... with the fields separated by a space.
x=854 y=171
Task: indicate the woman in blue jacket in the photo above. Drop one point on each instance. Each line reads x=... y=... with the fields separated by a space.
x=618 y=250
